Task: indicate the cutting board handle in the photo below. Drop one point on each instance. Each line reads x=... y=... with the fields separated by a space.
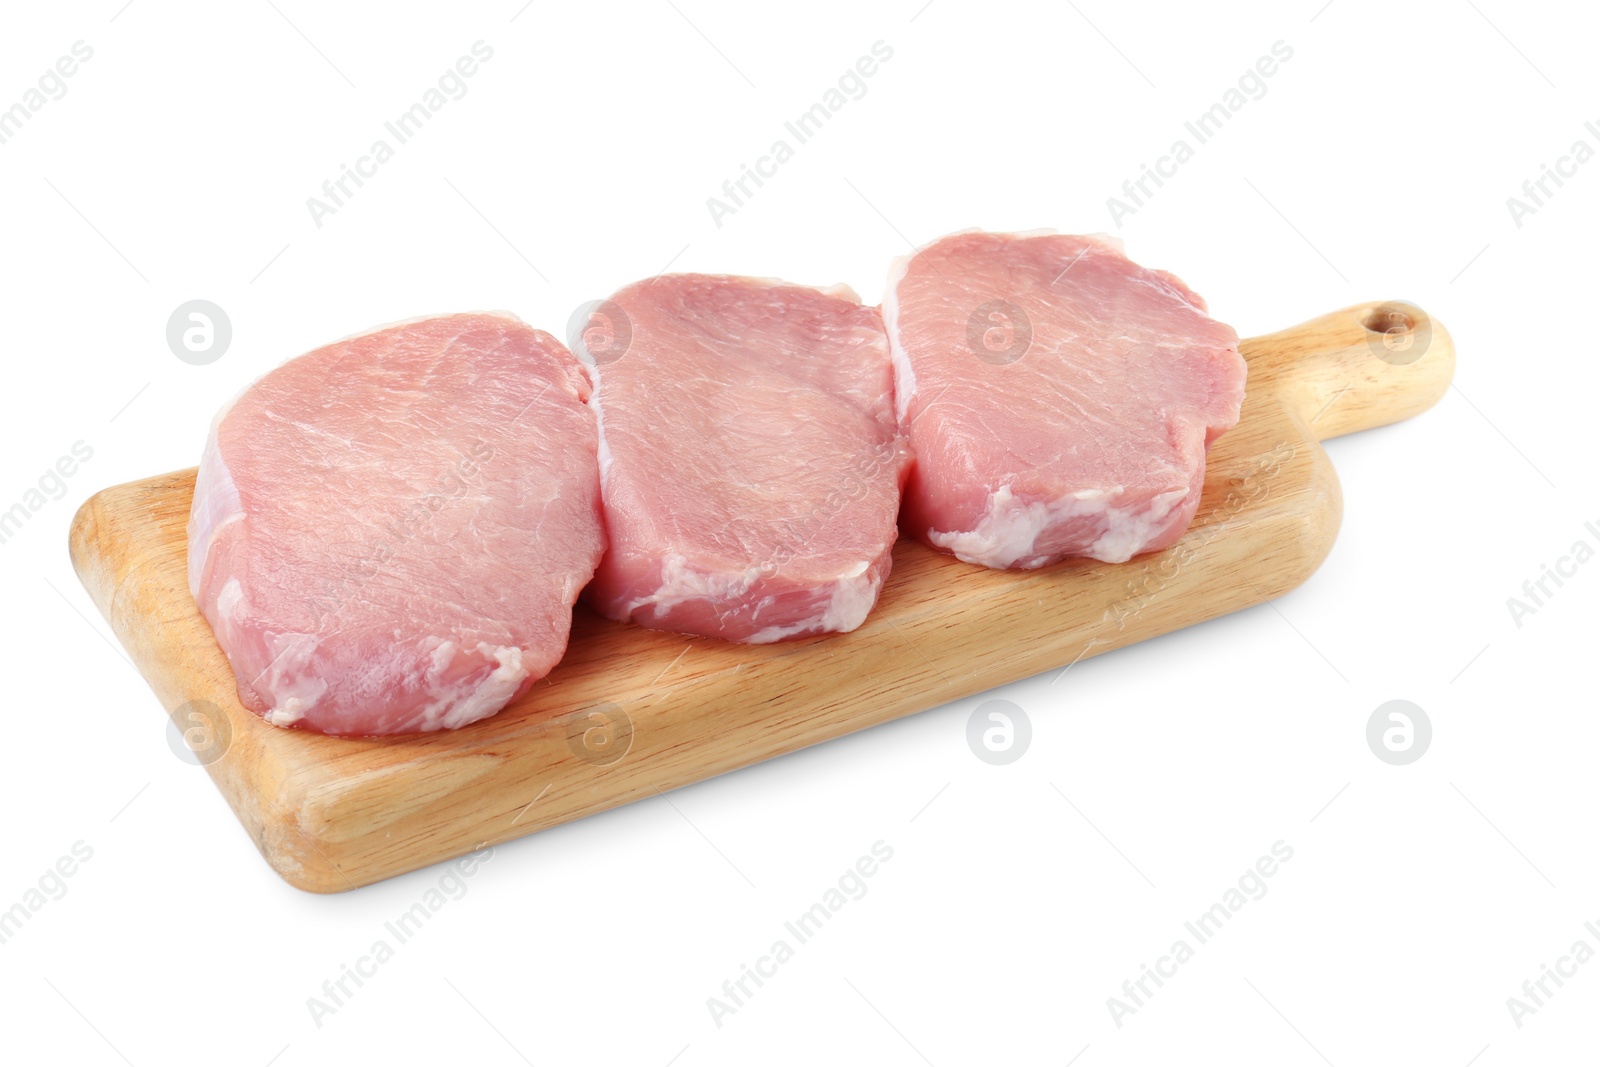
x=1355 y=369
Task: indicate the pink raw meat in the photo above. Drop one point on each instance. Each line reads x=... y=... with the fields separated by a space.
x=388 y=533
x=749 y=459
x=1059 y=397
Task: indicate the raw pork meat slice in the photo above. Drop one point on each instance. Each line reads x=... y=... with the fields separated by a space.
x=388 y=533
x=1059 y=397
x=749 y=459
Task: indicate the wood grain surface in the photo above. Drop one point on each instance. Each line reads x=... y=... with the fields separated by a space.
x=631 y=712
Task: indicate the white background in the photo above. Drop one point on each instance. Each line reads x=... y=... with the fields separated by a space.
x=1377 y=165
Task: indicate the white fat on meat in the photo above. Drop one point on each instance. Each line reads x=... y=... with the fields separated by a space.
x=752 y=464
x=1059 y=398
x=388 y=533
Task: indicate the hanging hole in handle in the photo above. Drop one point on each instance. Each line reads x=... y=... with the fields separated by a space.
x=1398 y=332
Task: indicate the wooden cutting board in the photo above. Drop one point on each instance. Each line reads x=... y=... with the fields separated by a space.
x=631 y=713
